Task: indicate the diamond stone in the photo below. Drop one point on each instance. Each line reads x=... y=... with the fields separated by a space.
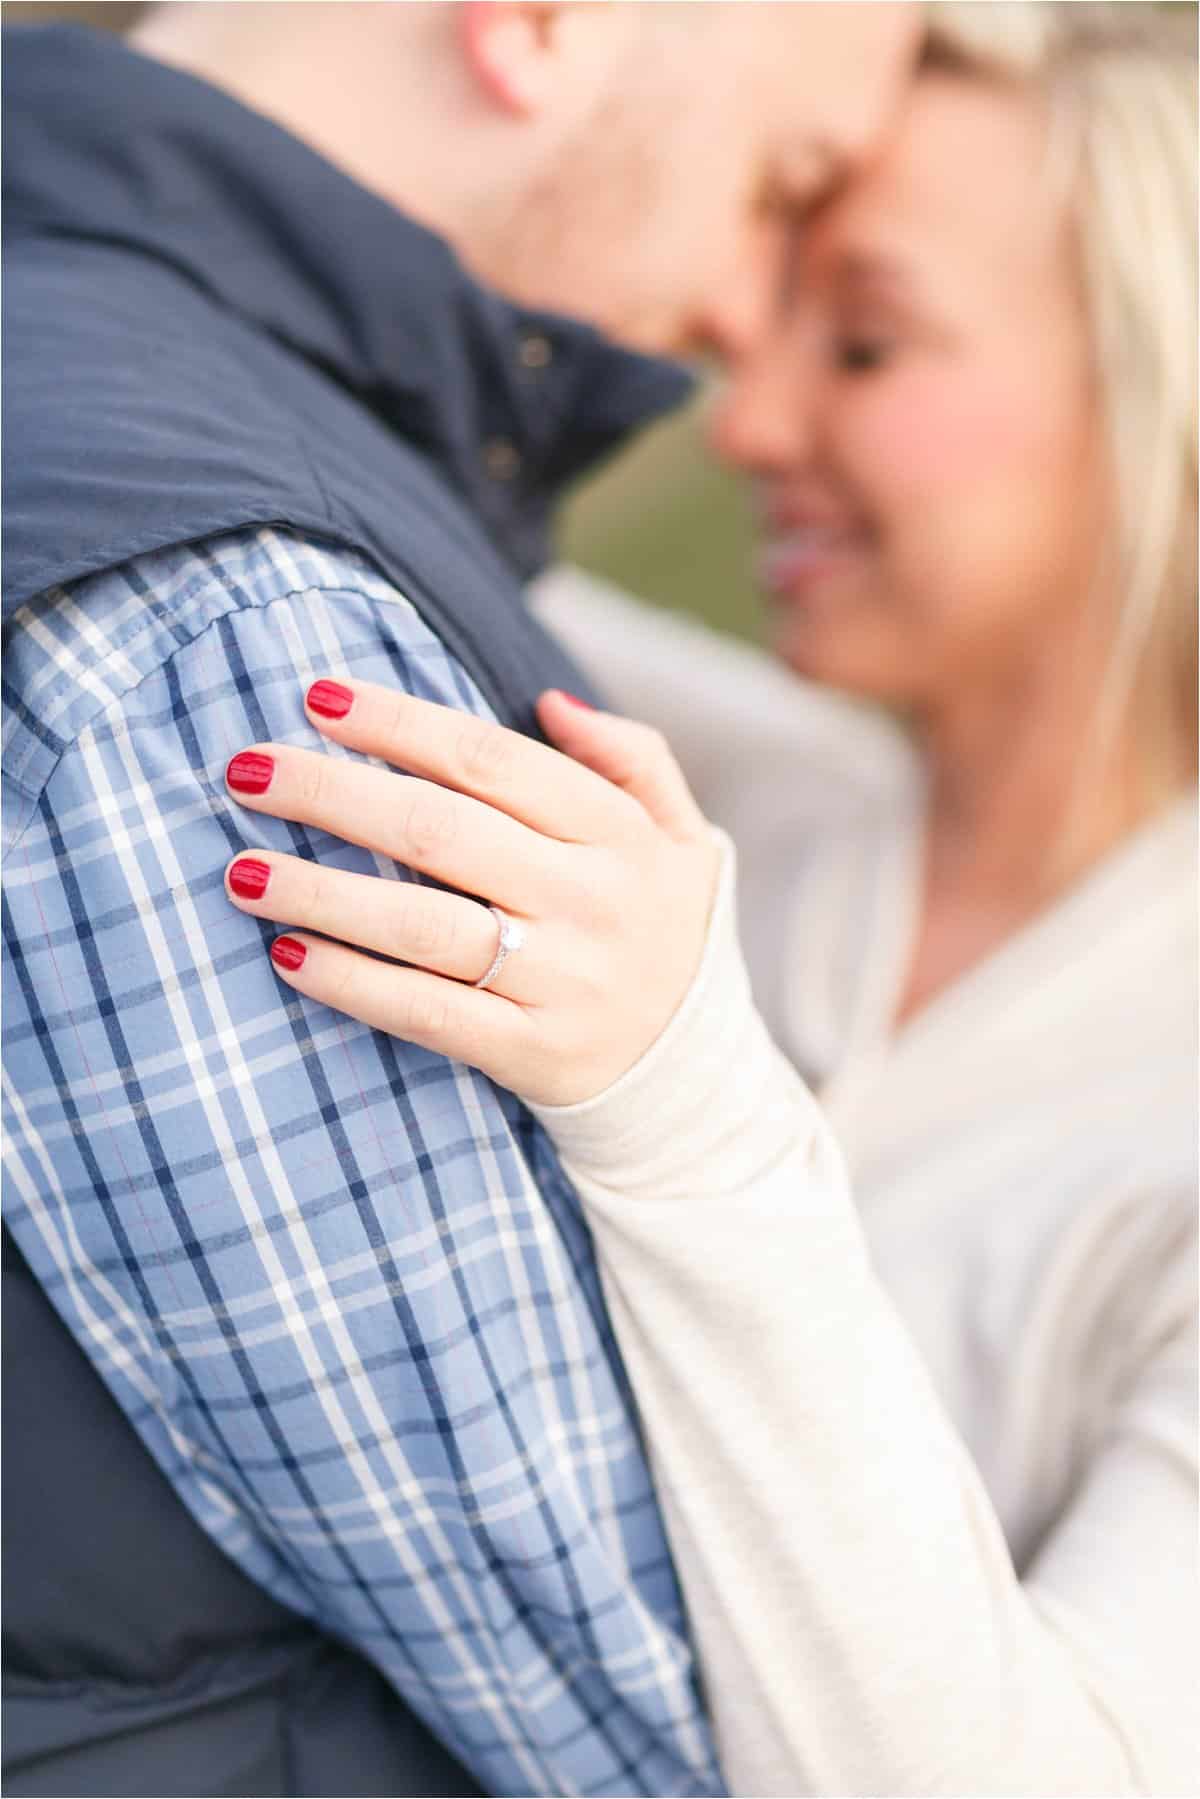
x=512 y=935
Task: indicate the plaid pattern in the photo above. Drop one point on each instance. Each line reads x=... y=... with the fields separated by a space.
x=339 y=1285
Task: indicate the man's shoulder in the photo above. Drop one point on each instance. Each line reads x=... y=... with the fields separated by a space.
x=138 y=414
x=141 y=415
x=191 y=628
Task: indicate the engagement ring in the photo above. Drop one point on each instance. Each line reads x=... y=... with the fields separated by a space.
x=512 y=938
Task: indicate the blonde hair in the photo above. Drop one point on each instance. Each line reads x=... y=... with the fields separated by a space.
x=1119 y=85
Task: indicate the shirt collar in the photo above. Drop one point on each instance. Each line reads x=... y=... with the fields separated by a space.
x=511 y=403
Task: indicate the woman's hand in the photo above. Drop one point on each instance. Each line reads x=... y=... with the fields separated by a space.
x=609 y=869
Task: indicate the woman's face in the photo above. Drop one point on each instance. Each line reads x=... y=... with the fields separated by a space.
x=920 y=417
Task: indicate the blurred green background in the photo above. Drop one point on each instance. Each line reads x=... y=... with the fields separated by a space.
x=664 y=521
x=661 y=519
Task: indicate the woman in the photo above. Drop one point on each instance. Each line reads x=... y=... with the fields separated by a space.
x=914 y=1356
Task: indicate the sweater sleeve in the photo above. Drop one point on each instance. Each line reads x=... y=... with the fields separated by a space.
x=860 y=1623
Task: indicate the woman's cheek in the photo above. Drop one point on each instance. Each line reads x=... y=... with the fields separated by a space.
x=943 y=470
x=915 y=441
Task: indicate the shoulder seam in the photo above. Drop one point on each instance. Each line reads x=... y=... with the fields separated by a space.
x=123 y=698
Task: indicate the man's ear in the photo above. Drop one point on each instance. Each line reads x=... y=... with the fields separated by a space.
x=510 y=47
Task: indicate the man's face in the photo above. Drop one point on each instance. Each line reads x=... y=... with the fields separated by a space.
x=667 y=215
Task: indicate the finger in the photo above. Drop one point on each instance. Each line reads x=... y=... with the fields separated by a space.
x=525 y=779
x=437 y=931
x=459 y=840
x=633 y=756
x=479 y=1027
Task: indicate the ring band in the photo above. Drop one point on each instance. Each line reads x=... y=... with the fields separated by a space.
x=511 y=939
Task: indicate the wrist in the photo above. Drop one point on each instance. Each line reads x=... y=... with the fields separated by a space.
x=711 y=1092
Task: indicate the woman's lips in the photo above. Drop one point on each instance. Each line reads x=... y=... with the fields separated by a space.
x=793 y=559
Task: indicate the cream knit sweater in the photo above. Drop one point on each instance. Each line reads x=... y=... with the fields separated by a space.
x=915 y=1356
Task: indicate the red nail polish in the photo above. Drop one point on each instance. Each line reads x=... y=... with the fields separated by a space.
x=287 y=953
x=250 y=773
x=248 y=878
x=329 y=699
x=584 y=705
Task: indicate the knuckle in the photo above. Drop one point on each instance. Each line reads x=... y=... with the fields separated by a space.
x=395 y=715
x=342 y=984
x=431 y=930
x=597 y=904
x=652 y=742
x=311 y=900
x=314 y=782
x=482 y=752
x=590 y=984
x=600 y=915
x=429 y=823
x=428 y=1015
x=648 y=751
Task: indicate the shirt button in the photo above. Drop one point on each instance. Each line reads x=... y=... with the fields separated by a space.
x=501 y=459
x=535 y=351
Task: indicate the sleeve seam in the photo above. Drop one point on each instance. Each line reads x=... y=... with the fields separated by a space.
x=118 y=704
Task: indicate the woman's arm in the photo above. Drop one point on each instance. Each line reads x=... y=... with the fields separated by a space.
x=858 y=1617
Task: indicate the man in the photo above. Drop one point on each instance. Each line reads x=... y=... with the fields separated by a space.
x=263 y=420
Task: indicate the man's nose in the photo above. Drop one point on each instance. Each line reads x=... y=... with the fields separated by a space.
x=763 y=422
x=739 y=306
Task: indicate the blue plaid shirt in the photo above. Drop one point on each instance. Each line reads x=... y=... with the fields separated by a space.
x=339 y=1285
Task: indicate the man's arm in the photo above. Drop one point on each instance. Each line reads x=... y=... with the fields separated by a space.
x=339 y=1284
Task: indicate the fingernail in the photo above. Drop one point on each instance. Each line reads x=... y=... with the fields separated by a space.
x=585 y=705
x=287 y=953
x=248 y=878
x=249 y=772
x=329 y=699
